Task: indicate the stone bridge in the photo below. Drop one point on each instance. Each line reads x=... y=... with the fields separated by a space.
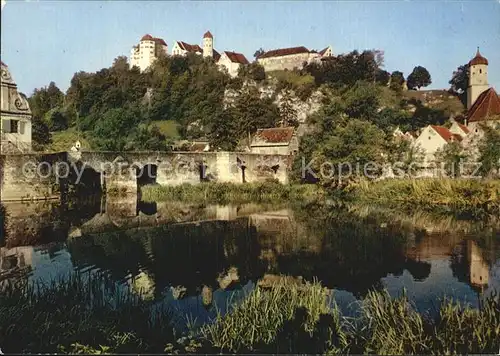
x=47 y=176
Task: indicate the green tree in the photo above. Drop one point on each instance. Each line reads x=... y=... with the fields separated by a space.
x=459 y=82
x=353 y=149
x=252 y=112
x=489 y=151
x=382 y=77
x=287 y=111
x=452 y=158
x=419 y=78
x=253 y=71
x=224 y=131
x=258 y=53
x=56 y=120
x=346 y=69
x=45 y=99
x=396 y=81
x=113 y=131
x=40 y=134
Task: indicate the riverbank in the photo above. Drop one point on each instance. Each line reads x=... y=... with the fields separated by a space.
x=224 y=193
x=289 y=316
x=468 y=198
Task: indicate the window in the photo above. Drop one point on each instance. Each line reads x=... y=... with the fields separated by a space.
x=14 y=124
x=480 y=71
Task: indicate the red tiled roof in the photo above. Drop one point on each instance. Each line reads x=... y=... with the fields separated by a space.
x=486 y=106
x=208 y=35
x=275 y=135
x=160 y=41
x=463 y=127
x=147 y=37
x=284 y=52
x=215 y=55
x=323 y=51
x=188 y=47
x=478 y=59
x=236 y=57
x=446 y=134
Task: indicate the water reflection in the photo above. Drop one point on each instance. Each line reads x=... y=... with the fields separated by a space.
x=200 y=258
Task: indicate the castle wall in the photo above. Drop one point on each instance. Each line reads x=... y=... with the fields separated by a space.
x=287 y=62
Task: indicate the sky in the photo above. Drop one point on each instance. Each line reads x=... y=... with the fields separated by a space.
x=44 y=41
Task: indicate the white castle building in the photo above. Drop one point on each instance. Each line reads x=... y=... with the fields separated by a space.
x=144 y=54
x=147 y=51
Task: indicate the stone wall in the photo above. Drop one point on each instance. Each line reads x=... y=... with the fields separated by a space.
x=33 y=176
x=30 y=176
x=286 y=62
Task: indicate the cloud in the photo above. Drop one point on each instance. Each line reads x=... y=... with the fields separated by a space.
x=3 y=3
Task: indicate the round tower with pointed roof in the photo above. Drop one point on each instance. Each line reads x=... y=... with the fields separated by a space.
x=478 y=78
x=208 y=45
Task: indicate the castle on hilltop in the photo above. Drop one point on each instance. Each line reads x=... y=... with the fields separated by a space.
x=150 y=48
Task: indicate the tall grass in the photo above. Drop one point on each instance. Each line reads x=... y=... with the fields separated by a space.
x=466 y=197
x=265 y=315
x=295 y=319
x=78 y=315
x=90 y=316
x=223 y=193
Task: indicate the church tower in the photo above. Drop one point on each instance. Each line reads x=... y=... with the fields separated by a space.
x=208 y=45
x=478 y=78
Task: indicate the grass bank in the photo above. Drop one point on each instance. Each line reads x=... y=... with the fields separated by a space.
x=78 y=316
x=462 y=197
x=287 y=317
x=223 y=193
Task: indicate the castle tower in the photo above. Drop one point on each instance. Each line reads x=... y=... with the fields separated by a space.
x=208 y=45
x=478 y=78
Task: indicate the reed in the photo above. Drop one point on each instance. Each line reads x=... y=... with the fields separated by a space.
x=223 y=193
x=92 y=316
x=296 y=319
x=463 y=197
x=78 y=315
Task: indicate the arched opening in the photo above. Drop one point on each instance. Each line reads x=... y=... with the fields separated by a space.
x=146 y=175
x=148 y=208
x=202 y=168
x=243 y=167
x=86 y=181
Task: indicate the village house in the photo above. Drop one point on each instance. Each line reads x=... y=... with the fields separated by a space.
x=232 y=61
x=277 y=140
x=15 y=121
x=147 y=51
x=432 y=139
x=290 y=58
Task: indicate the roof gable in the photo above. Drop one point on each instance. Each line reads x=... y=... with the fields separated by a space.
x=446 y=134
x=236 y=57
x=189 y=48
x=284 y=52
x=486 y=105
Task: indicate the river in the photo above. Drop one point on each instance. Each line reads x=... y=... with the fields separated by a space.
x=198 y=259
